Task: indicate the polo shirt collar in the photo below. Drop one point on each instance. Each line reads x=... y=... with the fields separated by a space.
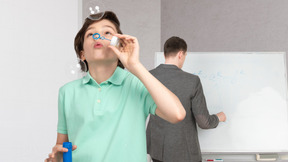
x=117 y=77
x=86 y=78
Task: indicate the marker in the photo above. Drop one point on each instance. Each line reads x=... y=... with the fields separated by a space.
x=214 y=159
x=67 y=156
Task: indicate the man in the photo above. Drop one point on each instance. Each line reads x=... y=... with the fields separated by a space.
x=179 y=142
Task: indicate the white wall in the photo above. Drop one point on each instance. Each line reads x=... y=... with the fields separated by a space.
x=36 y=40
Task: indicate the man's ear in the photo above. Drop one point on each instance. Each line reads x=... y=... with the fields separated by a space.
x=180 y=54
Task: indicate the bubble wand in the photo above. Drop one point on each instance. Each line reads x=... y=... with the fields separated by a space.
x=114 y=41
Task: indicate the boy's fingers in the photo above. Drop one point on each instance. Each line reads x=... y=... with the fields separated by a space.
x=115 y=50
x=74 y=147
x=59 y=149
x=51 y=155
x=63 y=149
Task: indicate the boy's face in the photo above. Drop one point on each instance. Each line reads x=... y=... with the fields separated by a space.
x=97 y=51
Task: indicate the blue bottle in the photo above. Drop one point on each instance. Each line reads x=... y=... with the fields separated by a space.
x=67 y=156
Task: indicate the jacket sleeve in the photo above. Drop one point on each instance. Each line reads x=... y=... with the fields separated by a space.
x=199 y=109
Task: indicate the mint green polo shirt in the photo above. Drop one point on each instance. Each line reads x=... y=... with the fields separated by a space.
x=106 y=121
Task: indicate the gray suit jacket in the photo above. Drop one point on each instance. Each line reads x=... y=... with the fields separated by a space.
x=179 y=142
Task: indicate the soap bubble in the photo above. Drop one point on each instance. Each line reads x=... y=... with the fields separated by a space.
x=94 y=7
x=73 y=70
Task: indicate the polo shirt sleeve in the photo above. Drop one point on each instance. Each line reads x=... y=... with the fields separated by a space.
x=61 y=128
x=147 y=100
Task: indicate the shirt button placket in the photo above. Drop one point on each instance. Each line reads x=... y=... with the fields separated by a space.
x=99 y=95
x=98 y=107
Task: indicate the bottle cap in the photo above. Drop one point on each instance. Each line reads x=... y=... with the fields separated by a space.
x=67 y=145
x=115 y=41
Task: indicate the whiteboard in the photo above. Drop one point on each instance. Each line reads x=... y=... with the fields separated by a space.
x=251 y=88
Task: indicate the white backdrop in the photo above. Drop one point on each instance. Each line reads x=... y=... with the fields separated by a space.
x=37 y=57
x=251 y=88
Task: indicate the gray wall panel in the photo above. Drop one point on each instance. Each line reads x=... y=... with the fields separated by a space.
x=227 y=25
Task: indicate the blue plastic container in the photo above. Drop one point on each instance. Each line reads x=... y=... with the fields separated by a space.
x=67 y=156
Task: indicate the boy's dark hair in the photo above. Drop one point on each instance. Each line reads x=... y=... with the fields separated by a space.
x=173 y=45
x=79 y=39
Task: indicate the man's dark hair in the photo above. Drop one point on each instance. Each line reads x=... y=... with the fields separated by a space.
x=173 y=45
